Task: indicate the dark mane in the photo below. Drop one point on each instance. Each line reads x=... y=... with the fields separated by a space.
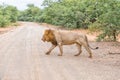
x=52 y=38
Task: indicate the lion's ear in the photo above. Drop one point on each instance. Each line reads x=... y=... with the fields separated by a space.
x=47 y=31
x=50 y=31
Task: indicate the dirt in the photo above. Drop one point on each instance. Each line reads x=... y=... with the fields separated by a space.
x=4 y=30
x=22 y=57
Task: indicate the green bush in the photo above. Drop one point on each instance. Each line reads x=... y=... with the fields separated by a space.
x=4 y=21
x=30 y=14
x=8 y=15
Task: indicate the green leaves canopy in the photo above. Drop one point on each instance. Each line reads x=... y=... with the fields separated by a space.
x=8 y=14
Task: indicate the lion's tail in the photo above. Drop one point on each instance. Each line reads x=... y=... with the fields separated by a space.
x=89 y=45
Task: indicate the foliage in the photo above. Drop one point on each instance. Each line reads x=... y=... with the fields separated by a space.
x=109 y=21
x=30 y=14
x=65 y=13
x=8 y=14
x=97 y=15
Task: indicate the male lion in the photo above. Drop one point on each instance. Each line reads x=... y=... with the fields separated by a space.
x=62 y=37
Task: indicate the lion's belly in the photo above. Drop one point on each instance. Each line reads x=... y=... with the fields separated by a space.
x=68 y=42
x=69 y=39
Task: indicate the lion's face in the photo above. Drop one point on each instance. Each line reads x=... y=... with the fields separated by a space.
x=48 y=36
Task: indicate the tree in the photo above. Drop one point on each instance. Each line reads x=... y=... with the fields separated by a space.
x=32 y=13
x=109 y=20
x=8 y=14
x=12 y=12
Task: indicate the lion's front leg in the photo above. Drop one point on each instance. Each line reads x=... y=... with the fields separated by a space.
x=51 y=48
x=61 y=49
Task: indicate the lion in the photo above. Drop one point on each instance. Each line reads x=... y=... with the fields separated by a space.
x=64 y=37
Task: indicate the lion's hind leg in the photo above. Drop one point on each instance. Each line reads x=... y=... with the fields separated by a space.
x=79 y=49
x=89 y=51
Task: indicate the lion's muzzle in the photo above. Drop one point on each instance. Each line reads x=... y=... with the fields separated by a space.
x=43 y=39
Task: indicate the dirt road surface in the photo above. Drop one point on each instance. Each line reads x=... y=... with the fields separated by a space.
x=22 y=57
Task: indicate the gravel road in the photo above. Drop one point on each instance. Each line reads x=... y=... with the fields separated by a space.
x=22 y=57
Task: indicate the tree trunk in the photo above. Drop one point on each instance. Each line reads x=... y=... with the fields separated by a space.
x=114 y=35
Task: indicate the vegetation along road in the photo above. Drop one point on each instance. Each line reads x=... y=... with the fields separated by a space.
x=22 y=57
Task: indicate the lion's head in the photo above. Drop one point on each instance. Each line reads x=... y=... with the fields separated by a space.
x=49 y=36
